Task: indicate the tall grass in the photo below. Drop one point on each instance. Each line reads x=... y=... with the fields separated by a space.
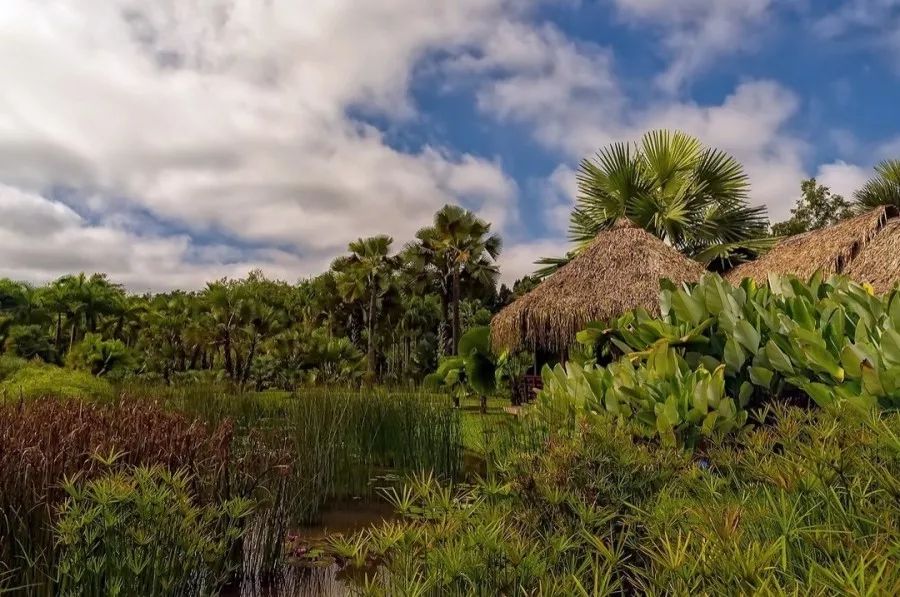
x=340 y=441
x=45 y=442
x=804 y=503
x=291 y=453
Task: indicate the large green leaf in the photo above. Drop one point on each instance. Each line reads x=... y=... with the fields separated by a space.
x=476 y=339
x=735 y=357
x=779 y=360
x=480 y=373
x=747 y=336
x=890 y=346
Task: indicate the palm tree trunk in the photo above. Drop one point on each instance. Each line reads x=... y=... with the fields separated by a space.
x=456 y=325
x=72 y=334
x=195 y=354
x=246 y=374
x=229 y=365
x=58 y=332
x=445 y=318
x=370 y=354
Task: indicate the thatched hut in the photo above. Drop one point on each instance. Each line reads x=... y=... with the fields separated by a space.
x=866 y=248
x=620 y=270
x=879 y=262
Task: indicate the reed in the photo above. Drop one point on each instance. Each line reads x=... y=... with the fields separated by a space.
x=45 y=442
x=341 y=442
x=291 y=454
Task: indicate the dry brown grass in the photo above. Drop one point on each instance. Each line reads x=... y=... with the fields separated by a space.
x=46 y=441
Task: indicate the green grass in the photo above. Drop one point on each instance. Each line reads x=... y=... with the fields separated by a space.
x=36 y=380
x=804 y=503
x=478 y=427
x=342 y=442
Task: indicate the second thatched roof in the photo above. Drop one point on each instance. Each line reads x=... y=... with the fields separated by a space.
x=620 y=270
x=866 y=248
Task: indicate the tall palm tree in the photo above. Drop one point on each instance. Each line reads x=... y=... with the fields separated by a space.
x=457 y=245
x=691 y=196
x=89 y=298
x=55 y=300
x=884 y=189
x=366 y=276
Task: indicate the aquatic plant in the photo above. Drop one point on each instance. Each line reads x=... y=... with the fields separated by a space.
x=142 y=532
x=806 y=504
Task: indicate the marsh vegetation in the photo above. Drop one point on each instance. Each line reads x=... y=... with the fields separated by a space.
x=356 y=433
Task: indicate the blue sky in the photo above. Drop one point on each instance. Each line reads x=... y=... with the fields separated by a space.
x=170 y=143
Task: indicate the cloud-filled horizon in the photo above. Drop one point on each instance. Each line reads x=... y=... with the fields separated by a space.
x=173 y=142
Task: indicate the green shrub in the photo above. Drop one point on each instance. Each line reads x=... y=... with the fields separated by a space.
x=474 y=369
x=140 y=533
x=44 y=442
x=807 y=504
x=660 y=392
x=9 y=364
x=99 y=357
x=38 y=379
x=820 y=341
x=30 y=342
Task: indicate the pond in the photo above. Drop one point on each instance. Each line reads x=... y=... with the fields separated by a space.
x=296 y=580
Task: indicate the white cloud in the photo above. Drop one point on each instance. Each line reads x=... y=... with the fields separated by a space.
x=696 y=32
x=872 y=23
x=889 y=150
x=750 y=124
x=42 y=239
x=558 y=195
x=231 y=115
x=518 y=260
x=539 y=77
x=842 y=178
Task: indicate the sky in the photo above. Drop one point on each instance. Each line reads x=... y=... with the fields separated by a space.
x=174 y=142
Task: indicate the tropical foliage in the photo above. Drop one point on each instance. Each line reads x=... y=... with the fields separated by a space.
x=804 y=504
x=817 y=208
x=718 y=349
x=474 y=369
x=375 y=313
x=741 y=439
x=140 y=532
x=691 y=196
x=457 y=250
x=884 y=188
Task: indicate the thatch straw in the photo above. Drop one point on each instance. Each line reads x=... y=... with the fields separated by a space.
x=620 y=270
x=831 y=250
x=879 y=262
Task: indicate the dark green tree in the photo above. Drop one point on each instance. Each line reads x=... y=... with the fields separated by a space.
x=366 y=276
x=817 y=208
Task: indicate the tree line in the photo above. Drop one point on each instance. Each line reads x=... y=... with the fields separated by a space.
x=389 y=313
x=379 y=312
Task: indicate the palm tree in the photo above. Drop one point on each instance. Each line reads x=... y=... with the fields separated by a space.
x=691 y=196
x=89 y=298
x=55 y=300
x=884 y=189
x=366 y=276
x=458 y=245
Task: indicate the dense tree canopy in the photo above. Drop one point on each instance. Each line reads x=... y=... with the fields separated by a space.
x=394 y=314
x=374 y=312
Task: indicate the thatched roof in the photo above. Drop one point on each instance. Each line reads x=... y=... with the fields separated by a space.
x=864 y=247
x=620 y=270
x=879 y=262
